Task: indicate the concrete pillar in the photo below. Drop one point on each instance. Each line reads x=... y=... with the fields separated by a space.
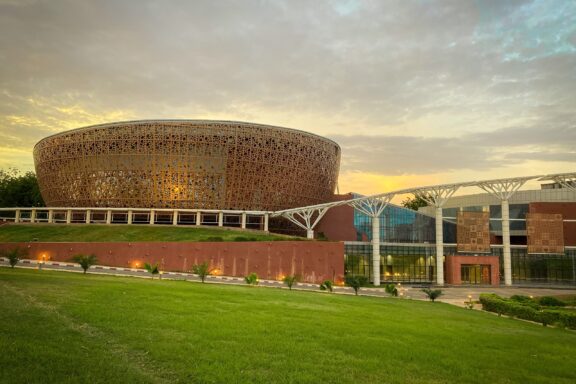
x=198 y=218
x=33 y=215
x=310 y=234
x=439 y=247
x=69 y=216
x=129 y=217
x=175 y=217
x=88 y=216
x=266 y=219
x=506 y=243
x=220 y=219
x=17 y=216
x=109 y=217
x=152 y=216
x=376 y=251
x=243 y=223
x=50 y=216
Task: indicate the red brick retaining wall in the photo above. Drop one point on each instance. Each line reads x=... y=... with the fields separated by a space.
x=313 y=261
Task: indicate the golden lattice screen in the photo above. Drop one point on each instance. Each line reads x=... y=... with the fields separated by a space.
x=196 y=164
x=473 y=232
x=545 y=233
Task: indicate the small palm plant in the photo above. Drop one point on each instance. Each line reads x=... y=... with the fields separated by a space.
x=14 y=255
x=327 y=285
x=290 y=280
x=251 y=279
x=152 y=268
x=356 y=282
x=432 y=294
x=202 y=270
x=391 y=289
x=85 y=261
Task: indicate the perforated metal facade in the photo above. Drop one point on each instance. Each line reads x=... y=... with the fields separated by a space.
x=473 y=233
x=186 y=164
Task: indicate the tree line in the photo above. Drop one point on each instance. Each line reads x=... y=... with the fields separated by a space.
x=19 y=189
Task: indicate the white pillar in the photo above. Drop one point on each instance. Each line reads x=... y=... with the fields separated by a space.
x=33 y=215
x=220 y=219
x=50 y=216
x=88 y=214
x=376 y=250
x=439 y=247
x=108 y=217
x=198 y=218
x=17 y=216
x=69 y=216
x=129 y=217
x=266 y=222
x=175 y=217
x=310 y=234
x=506 y=243
x=152 y=214
x=243 y=224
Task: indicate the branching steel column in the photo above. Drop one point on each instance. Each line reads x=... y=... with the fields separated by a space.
x=306 y=218
x=504 y=189
x=373 y=207
x=437 y=196
x=566 y=180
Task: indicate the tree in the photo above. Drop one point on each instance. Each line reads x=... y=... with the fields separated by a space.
x=14 y=255
x=432 y=294
x=85 y=261
x=19 y=190
x=414 y=203
x=202 y=270
x=327 y=285
x=356 y=282
x=290 y=280
x=251 y=279
x=152 y=268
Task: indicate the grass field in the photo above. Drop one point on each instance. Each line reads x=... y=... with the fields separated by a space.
x=59 y=327
x=94 y=232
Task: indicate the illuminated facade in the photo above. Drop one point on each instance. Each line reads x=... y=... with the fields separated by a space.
x=188 y=164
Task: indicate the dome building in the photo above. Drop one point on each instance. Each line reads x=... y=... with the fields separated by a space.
x=187 y=164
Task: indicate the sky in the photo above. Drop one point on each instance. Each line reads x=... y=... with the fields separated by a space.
x=415 y=92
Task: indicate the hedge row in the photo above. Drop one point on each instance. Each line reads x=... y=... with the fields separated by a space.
x=501 y=306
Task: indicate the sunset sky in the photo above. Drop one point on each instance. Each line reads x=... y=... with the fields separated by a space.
x=415 y=92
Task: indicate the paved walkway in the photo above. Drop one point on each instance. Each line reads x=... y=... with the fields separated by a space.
x=452 y=295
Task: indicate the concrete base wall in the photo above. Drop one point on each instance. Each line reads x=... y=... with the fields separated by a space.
x=313 y=261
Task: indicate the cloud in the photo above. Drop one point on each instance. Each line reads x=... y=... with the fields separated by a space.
x=401 y=155
x=405 y=87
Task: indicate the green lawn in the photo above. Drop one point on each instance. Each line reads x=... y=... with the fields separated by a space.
x=59 y=327
x=95 y=232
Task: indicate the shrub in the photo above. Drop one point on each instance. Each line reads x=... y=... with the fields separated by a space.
x=327 y=285
x=202 y=270
x=251 y=279
x=85 y=261
x=14 y=255
x=152 y=268
x=495 y=303
x=241 y=238
x=391 y=289
x=290 y=280
x=550 y=301
x=356 y=282
x=432 y=294
x=525 y=300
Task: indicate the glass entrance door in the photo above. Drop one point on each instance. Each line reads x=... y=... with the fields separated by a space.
x=475 y=274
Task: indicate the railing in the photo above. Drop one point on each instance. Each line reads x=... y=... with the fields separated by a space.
x=75 y=215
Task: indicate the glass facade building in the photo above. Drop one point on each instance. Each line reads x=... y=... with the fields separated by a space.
x=408 y=252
